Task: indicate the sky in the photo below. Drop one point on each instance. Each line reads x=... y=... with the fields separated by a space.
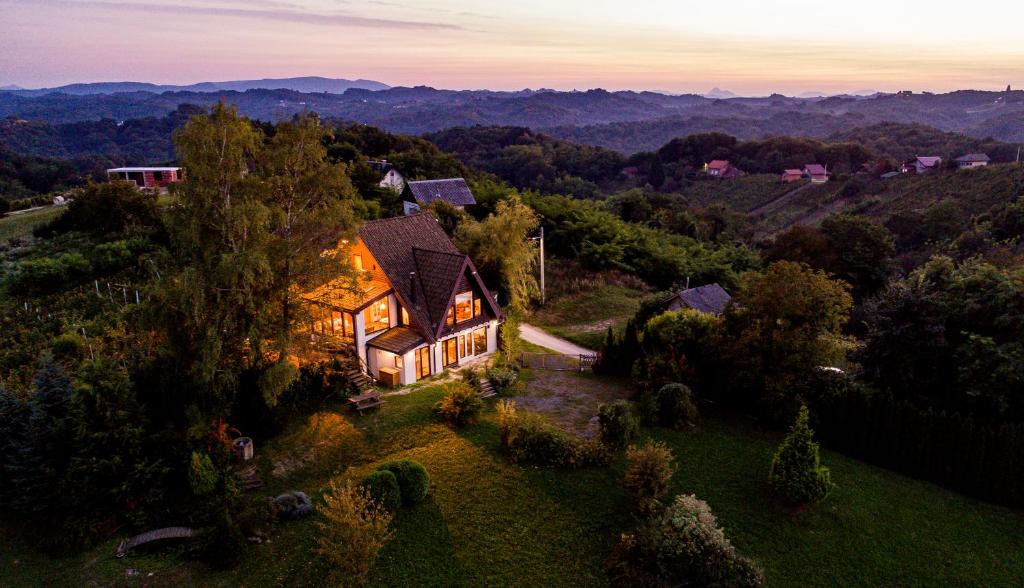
x=750 y=47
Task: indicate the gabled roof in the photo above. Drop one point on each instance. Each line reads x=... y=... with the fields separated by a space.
x=973 y=157
x=929 y=161
x=454 y=191
x=417 y=245
x=711 y=298
x=141 y=169
x=718 y=164
x=792 y=172
x=815 y=169
x=397 y=340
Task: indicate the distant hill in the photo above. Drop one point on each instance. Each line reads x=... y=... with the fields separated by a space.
x=314 y=85
x=718 y=93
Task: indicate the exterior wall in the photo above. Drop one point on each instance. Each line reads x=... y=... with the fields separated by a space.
x=819 y=179
x=393 y=181
x=970 y=164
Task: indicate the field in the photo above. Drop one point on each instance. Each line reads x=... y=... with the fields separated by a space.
x=489 y=522
x=21 y=225
x=741 y=194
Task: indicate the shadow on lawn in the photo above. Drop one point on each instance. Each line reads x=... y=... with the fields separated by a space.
x=422 y=548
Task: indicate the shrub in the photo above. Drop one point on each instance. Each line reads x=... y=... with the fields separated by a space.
x=413 y=480
x=675 y=406
x=460 y=405
x=354 y=529
x=682 y=546
x=528 y=437
x=796 y=474
x=36 y=276
x=617 y=424
x=471 y=377
x=68 y=345
x=383 y=487
x=503 y=378
x=648 y=475
x=202 y=474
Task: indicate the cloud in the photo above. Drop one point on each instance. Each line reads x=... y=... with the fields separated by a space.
x=271 y=11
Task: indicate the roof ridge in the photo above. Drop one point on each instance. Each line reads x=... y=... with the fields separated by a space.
x=460 y=254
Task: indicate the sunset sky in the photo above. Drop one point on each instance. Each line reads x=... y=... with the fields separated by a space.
x=747 y=46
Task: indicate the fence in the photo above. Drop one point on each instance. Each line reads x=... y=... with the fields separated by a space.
x=556 y=361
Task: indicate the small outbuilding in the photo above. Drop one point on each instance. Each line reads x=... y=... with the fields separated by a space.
x=972 y=160
x=792 y=175
x=721 y=168
x=151 y=178
x=816 y=172
x=711 y=298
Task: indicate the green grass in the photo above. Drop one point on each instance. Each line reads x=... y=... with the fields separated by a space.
x=741 y=194
x=488 y=522
x=584 y=318
x=21 y=225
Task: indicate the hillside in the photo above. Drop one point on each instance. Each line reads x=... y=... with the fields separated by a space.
x=302 y=84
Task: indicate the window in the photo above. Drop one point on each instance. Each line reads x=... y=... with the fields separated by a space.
x=422 y=362
x=398 y=362
x=357 y=260
x=450 y=319
x=451 y=352
x=480 y=341
x=462 y=347
x=377 y=316
x=476 y=307
x=158 y=176
x=405 y=316
x=463 y=306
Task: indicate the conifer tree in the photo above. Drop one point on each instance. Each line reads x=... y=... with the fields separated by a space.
x=796 y=474
x=13 y=429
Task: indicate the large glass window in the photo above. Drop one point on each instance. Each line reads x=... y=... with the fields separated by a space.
x=480 y=341
x=462 y=347
x=357 y=260
x=422 y=362
x=377 y=316
x=451 y=352
x=463 y=307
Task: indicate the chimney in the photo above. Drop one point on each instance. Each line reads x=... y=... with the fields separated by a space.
x=412 y=287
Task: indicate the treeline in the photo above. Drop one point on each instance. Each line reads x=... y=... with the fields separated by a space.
x=903 y=141
x=23 y=176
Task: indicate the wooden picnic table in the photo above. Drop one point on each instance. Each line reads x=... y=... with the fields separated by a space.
x=365 y=401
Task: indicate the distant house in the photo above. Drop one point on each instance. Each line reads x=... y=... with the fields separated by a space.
x=792 y=175
x=150 y=178
x=391 y=178
x=720 y=168
x=711 y=299
x=454 y=191
x=972 y=160
x=921 y=165
x=816 y=172
x=631 y=171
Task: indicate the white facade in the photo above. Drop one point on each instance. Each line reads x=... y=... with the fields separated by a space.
x=393 y=181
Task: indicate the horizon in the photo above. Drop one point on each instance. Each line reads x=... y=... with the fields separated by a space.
x=740 y=46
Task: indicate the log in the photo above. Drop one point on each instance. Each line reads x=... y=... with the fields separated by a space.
x=154 y=535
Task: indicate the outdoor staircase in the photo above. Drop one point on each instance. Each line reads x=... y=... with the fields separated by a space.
x=357 y=375
x=487 y=388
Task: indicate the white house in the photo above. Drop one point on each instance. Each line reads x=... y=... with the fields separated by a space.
x=420 y=306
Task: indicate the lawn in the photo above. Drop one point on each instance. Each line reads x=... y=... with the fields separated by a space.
x=21 y=225
x=488 y=522
x=584 y=317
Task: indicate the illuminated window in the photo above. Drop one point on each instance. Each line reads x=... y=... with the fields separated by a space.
x=376 y=316
x=462 y=347
x=398 y=362
x=480 y=341
x=405 y=316
x=463 y=307
x=451 y=352
x=476 y=307
x=450 y=319
x=422 y=362
x=357 y=260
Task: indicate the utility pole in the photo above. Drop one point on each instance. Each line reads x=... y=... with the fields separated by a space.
x=542 y=266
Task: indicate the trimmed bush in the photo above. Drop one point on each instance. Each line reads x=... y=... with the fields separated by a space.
x=648 y=474
x=461 y=404
x=675 y=406
x=413 y=480
x=682 y=546
x=796 y=474
x=383 y=487
x=353 y=531
x=617 y=424
x=503 y=378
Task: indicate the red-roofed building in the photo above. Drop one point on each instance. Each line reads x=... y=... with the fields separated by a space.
x=792 y=175
x=720 y=168
x=816 y=172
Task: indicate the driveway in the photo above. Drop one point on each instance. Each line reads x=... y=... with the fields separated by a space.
x=538 y=337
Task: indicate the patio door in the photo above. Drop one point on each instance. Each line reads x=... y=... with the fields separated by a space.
x=451 y=352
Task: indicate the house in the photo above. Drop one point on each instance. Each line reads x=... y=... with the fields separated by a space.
x=972 y=160
x=454 y=191
x=391 y=178
x=792 y=175
x=150 y=178
x=921 y=165
x=816 y=172
x=720 y=168
x=711 y=299
x=420 y=306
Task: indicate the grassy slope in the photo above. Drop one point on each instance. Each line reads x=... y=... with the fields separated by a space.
x=21 y=225
x=488 y=522
x=583 y=318
x=740 y=194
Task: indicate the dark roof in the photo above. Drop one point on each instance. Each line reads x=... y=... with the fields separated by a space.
x=972 y=157
x=815 y=169
x=397 y=340
x=454 y=191
x=417 y=244
x=929 y=160
x=711 y=298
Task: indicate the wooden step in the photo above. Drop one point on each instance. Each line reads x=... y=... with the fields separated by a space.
x=487 y=389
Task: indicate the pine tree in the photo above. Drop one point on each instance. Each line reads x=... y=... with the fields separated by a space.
x=13 y=429
x=796 y=473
